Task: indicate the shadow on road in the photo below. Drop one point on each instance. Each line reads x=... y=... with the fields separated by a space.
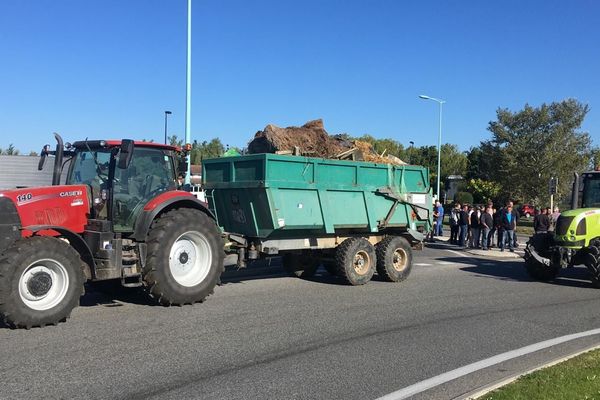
x=514 y=270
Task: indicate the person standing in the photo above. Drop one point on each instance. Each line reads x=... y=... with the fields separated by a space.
x=440 y=218
x=509 y=224
x=487 y=223
x=554 y=218
x=541 y=222
x=494 y=228
x=475 y=231
x=454 y=227
x=515 y=217
x=463 y=223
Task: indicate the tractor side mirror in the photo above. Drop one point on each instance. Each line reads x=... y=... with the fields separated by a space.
x=125 y=154
x=43 y=157
x=182 y=167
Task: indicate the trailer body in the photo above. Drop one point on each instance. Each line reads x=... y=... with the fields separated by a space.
x=280 y=202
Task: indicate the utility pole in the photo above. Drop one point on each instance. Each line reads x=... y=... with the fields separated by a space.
x=188 y=88
x=166 y=114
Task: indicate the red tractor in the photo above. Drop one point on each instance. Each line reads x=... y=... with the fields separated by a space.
x=119 y=216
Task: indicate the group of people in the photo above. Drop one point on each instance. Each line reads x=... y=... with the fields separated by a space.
x=479 y=226
x=485 y=226
x=545 y=220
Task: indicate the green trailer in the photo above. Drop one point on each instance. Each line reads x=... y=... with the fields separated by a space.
x=352 y=217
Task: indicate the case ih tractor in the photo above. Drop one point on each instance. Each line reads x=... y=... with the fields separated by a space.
x=576 y=238
x=119 y=216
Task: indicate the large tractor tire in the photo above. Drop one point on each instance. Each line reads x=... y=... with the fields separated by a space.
x=355 y=261
x=394 y=258
x=184 y=257
x=592 y=261
x=41 y=281
x=539 y=244
x=300 y=265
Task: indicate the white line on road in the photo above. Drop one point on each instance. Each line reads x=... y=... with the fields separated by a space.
x=422 y=264
x=457 y=253
x=476 y=366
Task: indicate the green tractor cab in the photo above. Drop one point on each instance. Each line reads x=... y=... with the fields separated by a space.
x=576 y=238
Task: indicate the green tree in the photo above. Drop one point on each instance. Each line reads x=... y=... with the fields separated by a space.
x=175 y=141
x=33 y=153
x=11 y=151
x=484 y=191
x=385 y=146
x=537 y=143
x=212 y=149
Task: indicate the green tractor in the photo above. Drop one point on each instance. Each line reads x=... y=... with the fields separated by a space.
x=576 y=236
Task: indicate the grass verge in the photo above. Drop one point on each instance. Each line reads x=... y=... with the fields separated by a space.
x=577 y=378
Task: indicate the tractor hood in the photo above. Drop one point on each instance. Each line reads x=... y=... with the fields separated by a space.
x=66 y=206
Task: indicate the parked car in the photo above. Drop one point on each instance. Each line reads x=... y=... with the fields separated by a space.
x=527 y=210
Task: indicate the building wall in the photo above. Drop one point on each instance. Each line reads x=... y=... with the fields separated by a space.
x=22 y=171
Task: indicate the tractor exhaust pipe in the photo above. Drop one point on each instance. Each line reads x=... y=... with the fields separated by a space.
x=575 y=194
x=58 y=159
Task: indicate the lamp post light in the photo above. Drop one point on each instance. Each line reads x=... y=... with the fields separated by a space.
x=410 y=151
x=440 y=102
x=166 y=114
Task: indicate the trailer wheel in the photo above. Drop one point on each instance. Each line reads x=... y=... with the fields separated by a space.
x=300 y=265
x=394 y=258
x=185 y=257
x=41 y=282
x=355 y=260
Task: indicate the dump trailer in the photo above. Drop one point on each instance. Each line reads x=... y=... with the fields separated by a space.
x=354 y=218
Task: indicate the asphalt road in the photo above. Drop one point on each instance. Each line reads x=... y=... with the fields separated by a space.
x=263 y=335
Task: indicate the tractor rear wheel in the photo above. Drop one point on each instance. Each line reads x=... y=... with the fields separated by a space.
x=394 y=258
x=185 y=257
x=41 y=282
x=355 y=261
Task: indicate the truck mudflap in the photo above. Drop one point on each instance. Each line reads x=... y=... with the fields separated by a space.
x=10 y=225
x=415 y=235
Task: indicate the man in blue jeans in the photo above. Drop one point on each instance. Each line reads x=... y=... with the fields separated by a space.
x=508 y=225
x=463 y=224
x=440 y=218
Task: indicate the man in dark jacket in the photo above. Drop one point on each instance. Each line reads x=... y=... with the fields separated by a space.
x=487 y=223
x=541 y=222
x=509 y=223
x=515 y=217
x=475 y=225
x=454 y=227
x=463 y=224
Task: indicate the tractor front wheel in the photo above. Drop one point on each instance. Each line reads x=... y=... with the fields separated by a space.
x=185 y=257
x=41 y=282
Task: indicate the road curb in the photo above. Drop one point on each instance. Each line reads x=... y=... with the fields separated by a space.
x=483 y=390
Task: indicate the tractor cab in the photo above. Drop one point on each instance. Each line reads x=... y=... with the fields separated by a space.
x=590 y=190
x=123 y=176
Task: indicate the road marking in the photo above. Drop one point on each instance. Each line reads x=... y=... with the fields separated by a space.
x=427 y=384
x=457 y=253
x=422 y=264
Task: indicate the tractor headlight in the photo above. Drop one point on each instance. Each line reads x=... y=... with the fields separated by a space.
x=572 y=238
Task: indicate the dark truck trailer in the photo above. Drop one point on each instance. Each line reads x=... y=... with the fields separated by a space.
x=352 y=217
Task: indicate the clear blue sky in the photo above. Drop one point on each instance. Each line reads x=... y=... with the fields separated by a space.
x=108 y=69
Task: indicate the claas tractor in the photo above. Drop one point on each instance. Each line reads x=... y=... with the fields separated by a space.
x=119 y=216
x=576 y=236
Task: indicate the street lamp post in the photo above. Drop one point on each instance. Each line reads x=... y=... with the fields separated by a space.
x=440 y=102
x=166 y=114
x=410 y=151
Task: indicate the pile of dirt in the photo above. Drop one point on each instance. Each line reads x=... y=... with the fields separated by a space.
x=311 y=139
